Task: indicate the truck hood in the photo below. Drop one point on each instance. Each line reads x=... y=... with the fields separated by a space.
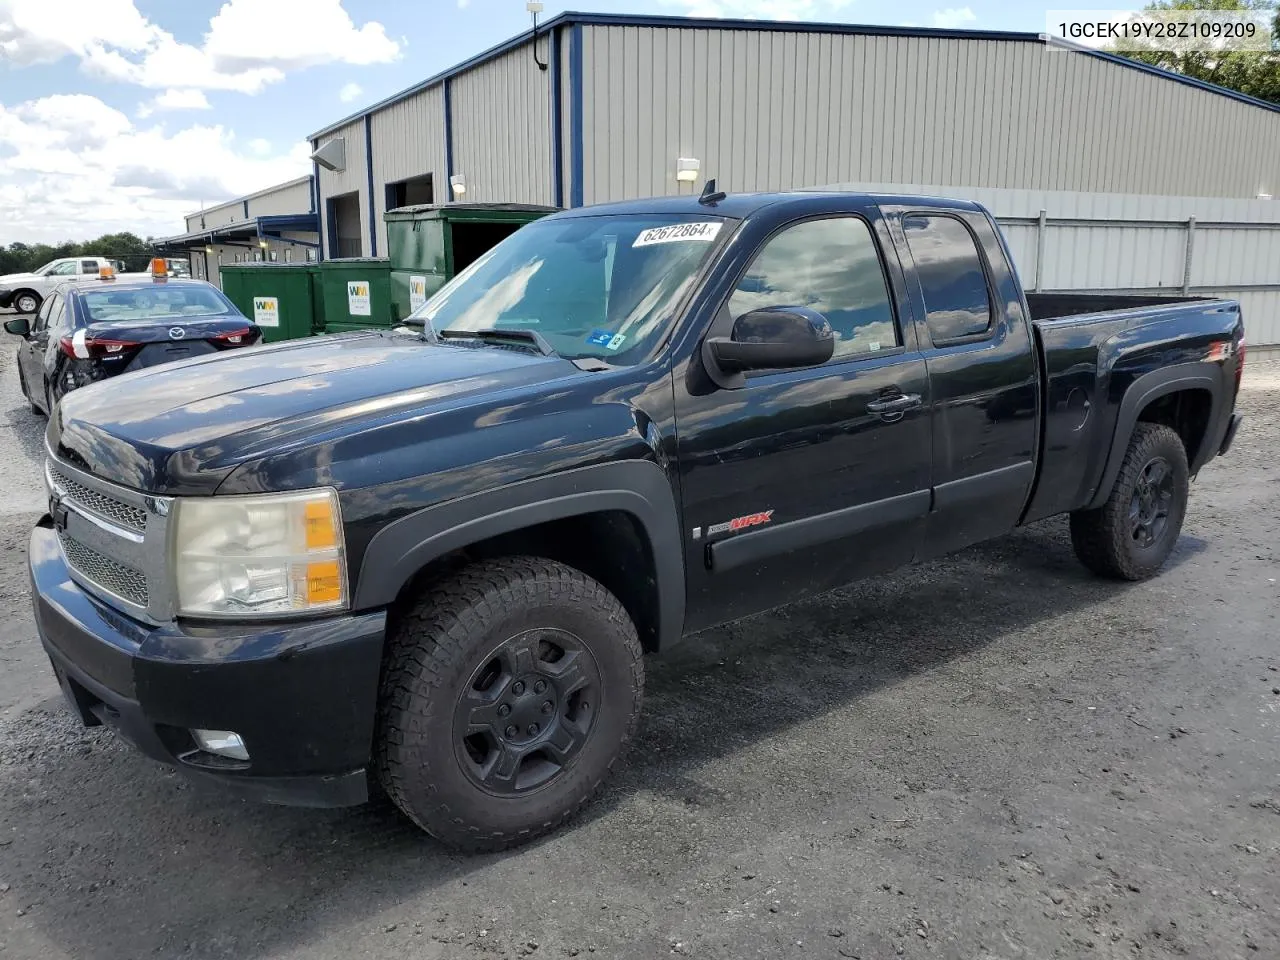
x=13 y=279
x=181 y=428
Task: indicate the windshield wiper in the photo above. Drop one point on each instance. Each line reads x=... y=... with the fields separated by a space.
x=500 y=337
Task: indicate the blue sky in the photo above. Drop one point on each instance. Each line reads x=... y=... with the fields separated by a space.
x=123 y=114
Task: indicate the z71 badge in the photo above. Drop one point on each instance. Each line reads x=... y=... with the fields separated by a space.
x=741 y=523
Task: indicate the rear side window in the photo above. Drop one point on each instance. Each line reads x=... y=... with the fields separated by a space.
x=89 y=266
x=956 y=297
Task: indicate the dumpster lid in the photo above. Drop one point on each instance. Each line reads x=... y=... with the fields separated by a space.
x=355 y=261
x=463 y=211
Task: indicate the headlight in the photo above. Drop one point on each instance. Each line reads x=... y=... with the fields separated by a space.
x=270 y=555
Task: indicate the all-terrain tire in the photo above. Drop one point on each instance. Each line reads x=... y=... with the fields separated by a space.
x=435 y=651
x=1105 y=540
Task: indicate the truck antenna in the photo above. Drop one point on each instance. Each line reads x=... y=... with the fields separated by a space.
x=710 y=195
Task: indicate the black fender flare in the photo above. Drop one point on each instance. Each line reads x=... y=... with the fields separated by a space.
x=1145 y=390
x=637 y=487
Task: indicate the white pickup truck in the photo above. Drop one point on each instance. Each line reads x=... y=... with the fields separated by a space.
x=24 y=292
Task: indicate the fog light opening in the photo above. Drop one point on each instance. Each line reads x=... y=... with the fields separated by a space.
x=222 y=743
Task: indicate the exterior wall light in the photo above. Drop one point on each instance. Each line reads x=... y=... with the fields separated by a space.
x=687 y=169
x=458 y=184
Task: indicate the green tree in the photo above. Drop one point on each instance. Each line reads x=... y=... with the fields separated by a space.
x=1252 y=72
x=132 y=249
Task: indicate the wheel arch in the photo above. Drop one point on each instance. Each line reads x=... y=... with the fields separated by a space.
x=606 y=520
x=1147 y=399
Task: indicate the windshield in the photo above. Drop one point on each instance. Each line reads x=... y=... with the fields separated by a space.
x=42 y=270
x=153 y=303
x=601 y=287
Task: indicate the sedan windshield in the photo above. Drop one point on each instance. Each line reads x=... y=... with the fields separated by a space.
x=603 y=287
x=153 y=303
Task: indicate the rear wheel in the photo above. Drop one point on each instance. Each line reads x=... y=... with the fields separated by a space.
x=1131 y=535
x=508 y=695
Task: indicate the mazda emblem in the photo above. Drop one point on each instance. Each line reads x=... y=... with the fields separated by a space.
x=176 y=333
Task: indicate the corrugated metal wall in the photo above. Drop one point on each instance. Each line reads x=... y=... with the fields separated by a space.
x=290 y=198
x=354 y=178
x=773 y=110
x=408 y=141
x=502 y=128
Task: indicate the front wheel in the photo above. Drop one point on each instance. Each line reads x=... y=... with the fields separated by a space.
x=27 y=301
x=508 y=694
x=1131 y=535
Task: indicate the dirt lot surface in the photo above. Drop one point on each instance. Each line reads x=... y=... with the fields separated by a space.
x=994 y=756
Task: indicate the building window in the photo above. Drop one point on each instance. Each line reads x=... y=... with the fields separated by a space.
x=311 y=255
x=272 y=255
x=288 y=254
x=410 y=192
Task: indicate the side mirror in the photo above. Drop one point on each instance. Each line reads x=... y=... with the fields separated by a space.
x=775 y=338
x=19 y=327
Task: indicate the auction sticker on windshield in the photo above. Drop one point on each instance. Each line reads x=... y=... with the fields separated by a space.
x=677 y=232
x=266 y=311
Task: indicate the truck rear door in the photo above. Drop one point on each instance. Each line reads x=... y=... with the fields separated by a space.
x=801 y=480
x=976 y=341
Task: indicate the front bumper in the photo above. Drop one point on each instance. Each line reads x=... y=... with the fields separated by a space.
x=302 y=695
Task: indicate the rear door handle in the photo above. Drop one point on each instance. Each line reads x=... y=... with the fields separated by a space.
x=897 y=404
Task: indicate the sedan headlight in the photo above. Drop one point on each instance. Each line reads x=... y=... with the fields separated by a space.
x=266 y=556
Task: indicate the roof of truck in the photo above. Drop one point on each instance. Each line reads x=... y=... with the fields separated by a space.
x=740 y=205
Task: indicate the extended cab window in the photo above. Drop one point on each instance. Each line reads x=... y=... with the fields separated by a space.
x=89 y=266
x=952 y=280
x=831 y=266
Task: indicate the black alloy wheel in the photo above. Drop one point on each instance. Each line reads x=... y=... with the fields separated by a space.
x=526 y=712
x=1152 y=500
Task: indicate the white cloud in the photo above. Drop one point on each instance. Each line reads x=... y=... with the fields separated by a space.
x=176 y=100
x=260 y=147
x=349 y=92
x=72 y=167
x=953 y=18
x=292 y=34
x=763 y=9
x=463 y=4
x=249 y=45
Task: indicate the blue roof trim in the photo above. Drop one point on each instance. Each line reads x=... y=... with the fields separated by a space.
x=570 y=17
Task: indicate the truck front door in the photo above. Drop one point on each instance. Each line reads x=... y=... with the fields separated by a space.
x=801 y=480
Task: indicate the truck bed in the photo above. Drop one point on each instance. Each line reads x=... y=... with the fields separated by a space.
x=1052 y=306
x=1090 y=354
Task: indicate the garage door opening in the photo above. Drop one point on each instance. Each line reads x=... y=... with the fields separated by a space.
x=470 y=240
x=405 y=193
x=344 y=225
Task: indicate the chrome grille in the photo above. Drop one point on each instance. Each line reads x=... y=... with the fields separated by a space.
x=107 y=507
x=125 y=582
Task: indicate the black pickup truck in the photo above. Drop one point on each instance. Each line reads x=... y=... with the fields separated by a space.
x=435 y=562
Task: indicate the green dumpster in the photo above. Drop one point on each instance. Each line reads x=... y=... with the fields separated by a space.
x=281 y=298
x=356 y=293
x=429 y=244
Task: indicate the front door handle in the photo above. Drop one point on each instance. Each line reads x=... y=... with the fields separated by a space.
x=899 y=404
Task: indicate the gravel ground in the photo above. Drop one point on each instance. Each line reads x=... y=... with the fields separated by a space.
x=994 y=756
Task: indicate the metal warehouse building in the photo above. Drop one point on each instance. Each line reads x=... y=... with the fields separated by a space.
x=1105 y=172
